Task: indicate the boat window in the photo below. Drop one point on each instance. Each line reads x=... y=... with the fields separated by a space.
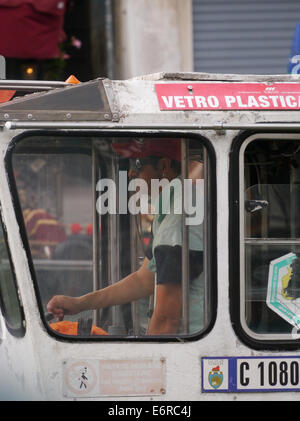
x=270 y=229
x=118 y=232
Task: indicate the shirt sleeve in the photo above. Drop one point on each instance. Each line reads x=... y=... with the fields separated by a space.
x=169 y=264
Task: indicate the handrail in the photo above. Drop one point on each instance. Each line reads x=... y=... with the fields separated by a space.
x=13 y=125
x=31 y=85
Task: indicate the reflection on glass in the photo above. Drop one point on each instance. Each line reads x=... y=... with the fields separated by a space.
x=271 y=225
x=56 y=184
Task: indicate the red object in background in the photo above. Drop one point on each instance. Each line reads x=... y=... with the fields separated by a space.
x=89 y=229
x=31 y=29
x=6 y=95
x=76 y=228
x=42 y=228
x=146 y=241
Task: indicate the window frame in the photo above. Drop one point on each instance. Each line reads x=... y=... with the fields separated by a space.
x=20 y=331
x=237 y=245
x=211 y=225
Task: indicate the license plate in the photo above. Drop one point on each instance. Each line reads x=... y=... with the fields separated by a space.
x=251 y=374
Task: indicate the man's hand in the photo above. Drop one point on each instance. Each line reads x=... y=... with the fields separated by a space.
x=60 y=305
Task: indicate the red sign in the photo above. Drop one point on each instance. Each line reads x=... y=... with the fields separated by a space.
x=228 y=96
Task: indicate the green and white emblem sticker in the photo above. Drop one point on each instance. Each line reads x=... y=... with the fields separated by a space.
x=278 y=298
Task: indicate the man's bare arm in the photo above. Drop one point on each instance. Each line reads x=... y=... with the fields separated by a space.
x=134 y=286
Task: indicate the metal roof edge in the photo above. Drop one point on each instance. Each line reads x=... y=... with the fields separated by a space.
x=198 y=76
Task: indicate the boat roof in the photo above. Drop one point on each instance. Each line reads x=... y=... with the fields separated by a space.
x=120 y=101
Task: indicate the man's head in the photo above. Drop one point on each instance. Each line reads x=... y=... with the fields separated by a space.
x=151 y=158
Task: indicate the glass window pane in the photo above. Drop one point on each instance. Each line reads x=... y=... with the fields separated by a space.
x=9 y=299
x=104 y=222
x=271 y=234
x=55 y=194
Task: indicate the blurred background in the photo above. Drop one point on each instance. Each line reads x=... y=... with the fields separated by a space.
x=120 y=39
